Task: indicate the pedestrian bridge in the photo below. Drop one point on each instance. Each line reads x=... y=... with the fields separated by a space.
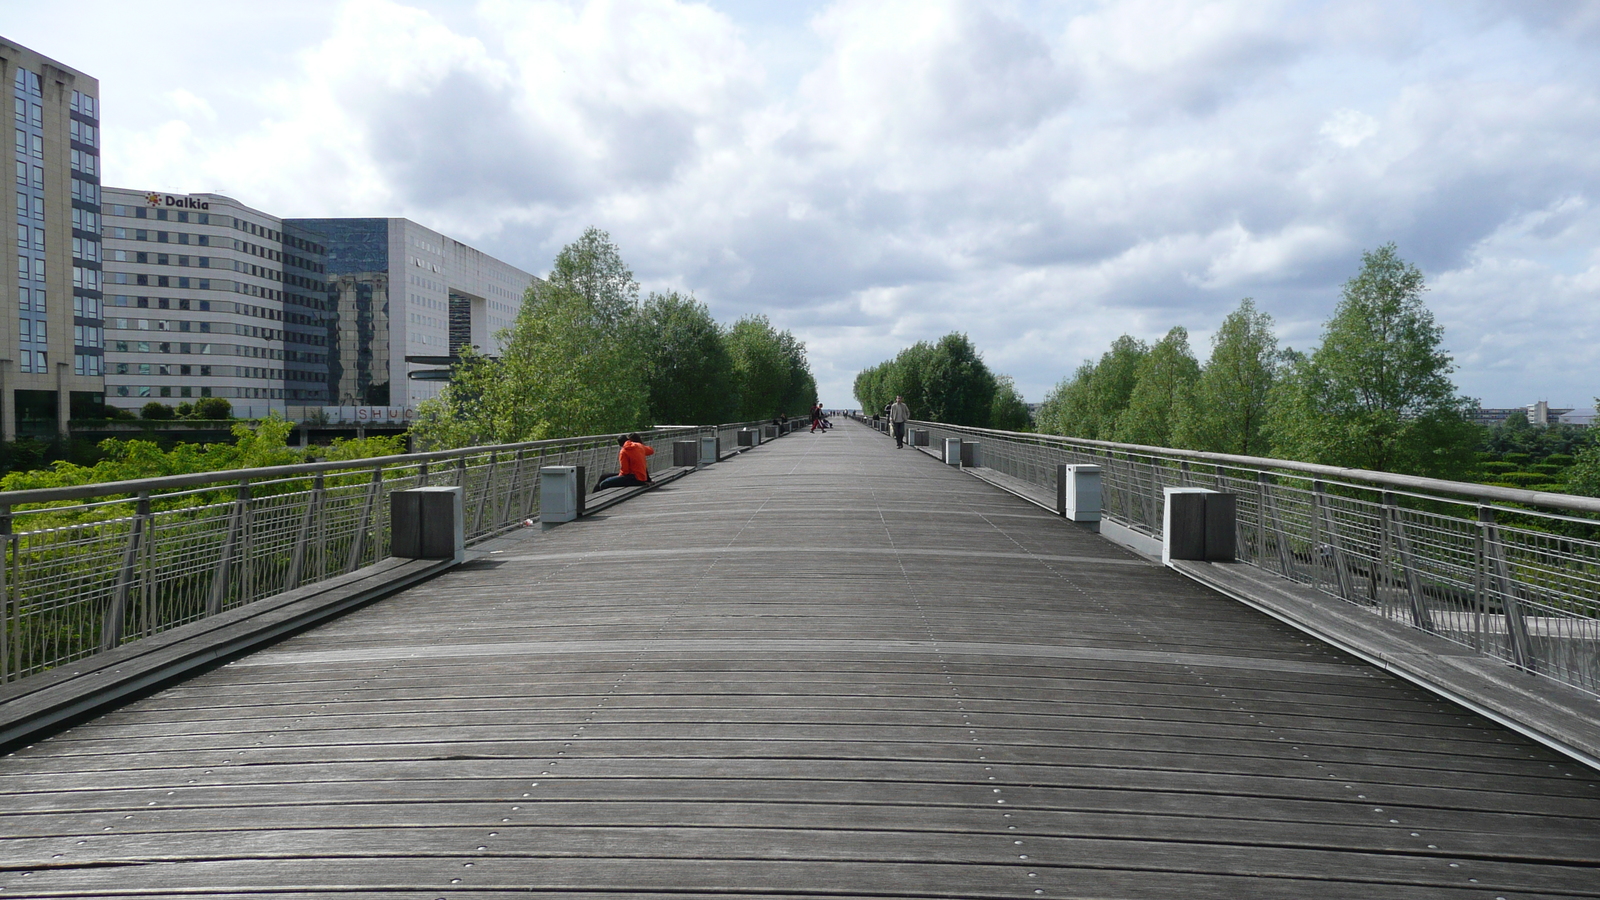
x=823 y=668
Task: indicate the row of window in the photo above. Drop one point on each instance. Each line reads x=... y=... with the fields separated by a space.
x=30 y=269
x=87 y=364
x=31 y=298
x=87 y=191
x=84 y=133
x=22 y=237
x=30 y=145
x=86 y=248
x=87 y=279
x=85 y=220
x=86 y=162
x=83 y=103
x=158 y=259
x=33 y=361
x=252 y=372
x=142 y=391
x=166 y=281
x=160 y=237
x=166 y=303
x=27 y=82
x=162 y=215
x=121 y=346
x=29 y=205
x=29 y=331
x=87 y=336
x=84 y=307
x=23 y=170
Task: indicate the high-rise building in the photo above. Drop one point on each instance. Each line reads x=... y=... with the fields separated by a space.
x=207 y=297
x=404 y=297
x=51 y=330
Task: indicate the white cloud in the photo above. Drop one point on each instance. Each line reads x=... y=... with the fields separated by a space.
x=1041 y=176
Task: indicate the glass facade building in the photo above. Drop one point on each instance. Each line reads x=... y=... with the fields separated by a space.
x=402 y=296
x=52 y=334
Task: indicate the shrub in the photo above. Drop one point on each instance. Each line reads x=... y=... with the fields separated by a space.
x=213 y=408
x=1496 y=467
x=1523 y=479
x=156 y=412
x=1518 y=458
x=1546 y=468
x=1561 y=459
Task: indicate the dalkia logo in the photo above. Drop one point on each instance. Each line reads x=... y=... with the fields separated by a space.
x=155 y=199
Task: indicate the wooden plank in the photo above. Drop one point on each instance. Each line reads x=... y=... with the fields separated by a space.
x=866 y=675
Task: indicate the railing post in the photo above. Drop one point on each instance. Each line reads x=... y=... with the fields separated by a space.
x=112 y=629
x=1494 y=553
x=358 y=546
x=219 y=578
x=313 y=513
x=1322 y=515
x=1420 y=616
x=7 y=553
x=486 y=502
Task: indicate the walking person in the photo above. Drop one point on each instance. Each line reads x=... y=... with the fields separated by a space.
x=898 y=414
x=816 y=418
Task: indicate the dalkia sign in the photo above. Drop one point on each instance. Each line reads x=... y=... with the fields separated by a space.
x=155 y=199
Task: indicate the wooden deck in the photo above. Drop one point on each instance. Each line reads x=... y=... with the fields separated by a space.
x=822 y=669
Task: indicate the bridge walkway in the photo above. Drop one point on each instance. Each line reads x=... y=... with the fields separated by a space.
x=823 y=668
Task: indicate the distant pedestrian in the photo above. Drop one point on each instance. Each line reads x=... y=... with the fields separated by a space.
x=816 y=418
x=898 y=414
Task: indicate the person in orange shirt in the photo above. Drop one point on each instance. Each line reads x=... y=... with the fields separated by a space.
x=631 y=460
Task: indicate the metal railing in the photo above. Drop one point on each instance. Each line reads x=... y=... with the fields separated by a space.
x=89 y=567
x=1513 y=574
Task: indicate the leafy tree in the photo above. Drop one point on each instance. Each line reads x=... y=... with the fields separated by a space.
x=1377 y=394
x=592 y=268
x=1228 y=410
x=1165 y=380
x=761 y=369
x=571 y=362
x=1009 y=411
x=959 y=388
x=1089 y=404
x=688 y=368
x=800 y=390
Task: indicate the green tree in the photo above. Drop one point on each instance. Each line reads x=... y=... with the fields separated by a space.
x=959 y=388
x=571 y=362
x=1583 y=476
x=1228 y=410
x=1377 y=393
x=687 y=365
x=592 y=268
x=1165 y=380
x=1009 y=411
x=1089 y=404
x=761 y=371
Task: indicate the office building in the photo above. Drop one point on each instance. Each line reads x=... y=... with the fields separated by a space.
x=207 y=297
x=403 y=298
x=51 y=331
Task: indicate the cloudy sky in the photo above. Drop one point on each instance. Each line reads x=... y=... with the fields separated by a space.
x=1042 y=175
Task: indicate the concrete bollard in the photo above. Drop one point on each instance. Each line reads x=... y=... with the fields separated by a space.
x=560 y=494
x=428 y=523
x=971 y=454
x=919 y=437
x=748 y=437
x=952 y=451
x=769 y=432
x=1198 y=524
x=710 y=450
x=1078 y=494
x=685 y=453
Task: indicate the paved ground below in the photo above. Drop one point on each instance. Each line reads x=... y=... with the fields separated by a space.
x=822 y=668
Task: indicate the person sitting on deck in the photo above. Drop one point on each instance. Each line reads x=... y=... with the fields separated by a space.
x=631 y=460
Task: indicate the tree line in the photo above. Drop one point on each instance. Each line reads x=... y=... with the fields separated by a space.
x=946 y=381
x=586 y=356
x=1375 y=394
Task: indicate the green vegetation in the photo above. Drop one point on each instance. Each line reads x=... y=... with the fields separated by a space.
x=1376 y=394
x=945 y=382
x=585 y=356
